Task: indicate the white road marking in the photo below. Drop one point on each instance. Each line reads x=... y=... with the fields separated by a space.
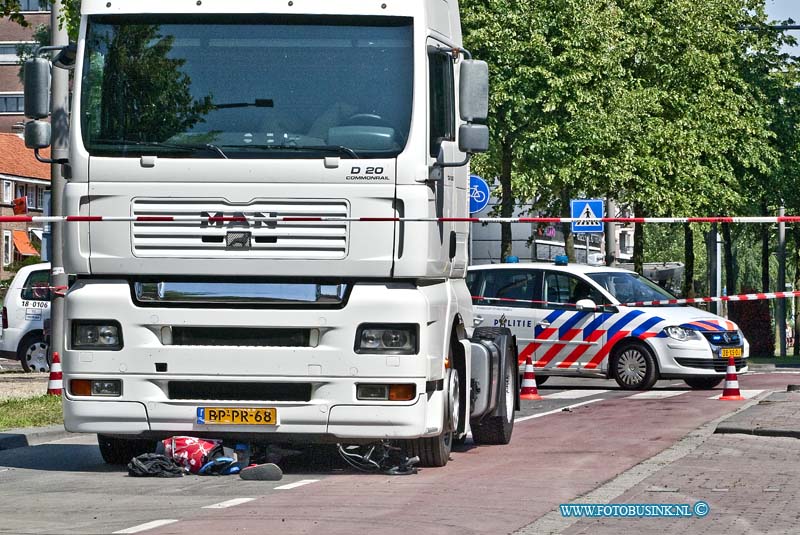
x=555 y=411
x=297 y=484
x=574 y=394
x=746 y=394
x=144 y=527
x=658 y=394
x=229 y=503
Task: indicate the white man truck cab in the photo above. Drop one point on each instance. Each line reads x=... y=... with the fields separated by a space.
x=581 y=321
x=254 y=316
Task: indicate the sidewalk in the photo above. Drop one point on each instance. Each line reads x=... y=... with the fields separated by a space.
x=746 y=471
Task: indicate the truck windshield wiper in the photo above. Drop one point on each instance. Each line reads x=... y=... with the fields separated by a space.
x=159 y=144
x=341 y=149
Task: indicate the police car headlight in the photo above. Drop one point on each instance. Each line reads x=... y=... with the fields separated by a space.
x=400 y=339
x=680 y=334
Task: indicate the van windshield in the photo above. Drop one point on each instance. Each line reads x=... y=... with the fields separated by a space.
x=247 y=87
x=630 y=287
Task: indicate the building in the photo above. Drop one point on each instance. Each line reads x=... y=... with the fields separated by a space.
x=21 y=176
x=36 y=12
x=531 y=242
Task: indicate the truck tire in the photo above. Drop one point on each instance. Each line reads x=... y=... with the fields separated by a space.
x=498 y=429
x=434 y=452
x=122 y=450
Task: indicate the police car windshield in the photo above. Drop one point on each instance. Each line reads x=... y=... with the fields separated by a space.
x=630 y=287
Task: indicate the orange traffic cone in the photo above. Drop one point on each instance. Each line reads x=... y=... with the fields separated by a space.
x=529 y=390
x=731 y=390
x=55 y=383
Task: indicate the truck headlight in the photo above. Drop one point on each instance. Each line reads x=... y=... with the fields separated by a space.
x=680 y=334
x=397 y=339
x=102 y=335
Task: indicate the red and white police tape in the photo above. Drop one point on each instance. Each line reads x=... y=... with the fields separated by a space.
x=337 y=219
x=688 y=301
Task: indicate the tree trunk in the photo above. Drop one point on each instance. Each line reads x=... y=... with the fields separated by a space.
x=730 y=260
x=566 y=228
x=638 y=241
x=507 y=201
x=796 y=318
x=764 y=249
x=688 y=260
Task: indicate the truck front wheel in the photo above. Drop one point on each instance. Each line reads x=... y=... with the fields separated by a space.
x=122 y=450
x=435 y=451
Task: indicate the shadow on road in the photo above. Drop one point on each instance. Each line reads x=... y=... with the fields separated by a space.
x=57 y=458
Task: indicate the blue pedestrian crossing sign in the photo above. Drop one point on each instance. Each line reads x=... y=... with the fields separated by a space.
x=478 y=194
x=588 y=213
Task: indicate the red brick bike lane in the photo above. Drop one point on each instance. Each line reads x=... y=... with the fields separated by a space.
x=485 y=489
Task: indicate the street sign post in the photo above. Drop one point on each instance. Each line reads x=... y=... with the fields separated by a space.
x=589 y=213
x=478 y=194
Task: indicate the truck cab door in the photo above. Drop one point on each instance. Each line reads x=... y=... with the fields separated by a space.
x=442 y=148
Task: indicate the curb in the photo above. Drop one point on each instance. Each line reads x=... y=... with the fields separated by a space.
x=762 y=420
x=31 y=436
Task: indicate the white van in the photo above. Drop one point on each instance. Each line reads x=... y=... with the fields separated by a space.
x=26 y=306
x=577 y=321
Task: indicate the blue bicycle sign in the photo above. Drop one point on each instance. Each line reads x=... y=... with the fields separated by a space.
x=478 y=194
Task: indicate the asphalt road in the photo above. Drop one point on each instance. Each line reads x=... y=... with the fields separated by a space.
x=555 y=456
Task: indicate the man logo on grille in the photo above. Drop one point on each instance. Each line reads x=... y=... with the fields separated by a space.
x=237 y=220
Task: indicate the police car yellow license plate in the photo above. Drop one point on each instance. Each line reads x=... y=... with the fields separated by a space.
x=237 y=416
x=731 y=352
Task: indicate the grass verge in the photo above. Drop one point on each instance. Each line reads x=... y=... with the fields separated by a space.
x=30 y=412
x=789 y=359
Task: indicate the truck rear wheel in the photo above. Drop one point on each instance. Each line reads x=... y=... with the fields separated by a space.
x=122 y=450
x=498 y=429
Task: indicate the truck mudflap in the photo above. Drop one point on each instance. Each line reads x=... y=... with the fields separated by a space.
x=494 y=388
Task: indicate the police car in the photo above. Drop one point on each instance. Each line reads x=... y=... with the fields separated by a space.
x=572 y=321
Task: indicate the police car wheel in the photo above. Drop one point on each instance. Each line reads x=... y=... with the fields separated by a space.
x=703 y=383
x=32 y=354
x=633 y=367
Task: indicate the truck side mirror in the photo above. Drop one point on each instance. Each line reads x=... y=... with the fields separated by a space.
x=473 y=138
x=474 y=91
x=37 y=88
x=37 y=135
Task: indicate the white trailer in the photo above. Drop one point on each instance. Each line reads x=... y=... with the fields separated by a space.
x=244 y=325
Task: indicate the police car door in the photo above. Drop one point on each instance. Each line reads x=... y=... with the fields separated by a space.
x=503 y=297
x=566 y=338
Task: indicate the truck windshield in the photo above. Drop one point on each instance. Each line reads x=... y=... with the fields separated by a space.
x=247 y=87
x=630 y=287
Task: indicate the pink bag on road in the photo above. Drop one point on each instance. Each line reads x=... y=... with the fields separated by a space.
x=191 y=452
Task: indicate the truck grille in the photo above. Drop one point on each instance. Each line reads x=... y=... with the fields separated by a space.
x=240 y=337
x=268 y=240
x=239 y=391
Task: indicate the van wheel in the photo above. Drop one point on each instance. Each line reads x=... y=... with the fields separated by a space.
x=634 y=367
x=32 y=354
x=122 y=450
